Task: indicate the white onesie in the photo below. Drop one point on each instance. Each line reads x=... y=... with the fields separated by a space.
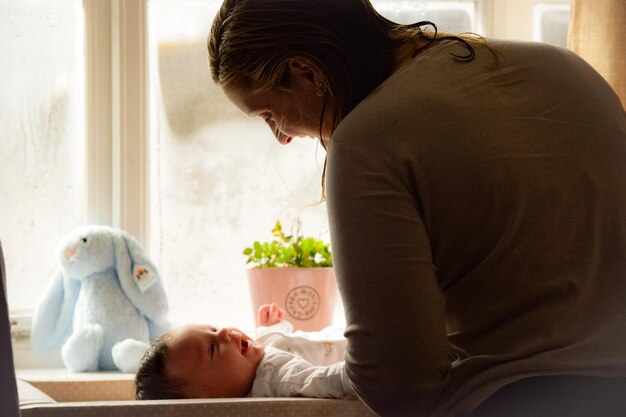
x=301 y=364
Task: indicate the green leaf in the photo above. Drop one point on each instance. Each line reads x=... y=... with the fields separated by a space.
x=293 y=250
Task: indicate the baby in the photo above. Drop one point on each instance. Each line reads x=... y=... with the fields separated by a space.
x=201 y=361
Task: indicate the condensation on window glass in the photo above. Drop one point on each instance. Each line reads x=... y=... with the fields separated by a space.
x=219 y=180
x=551 y=23
x=42 y=137
x=449 y=16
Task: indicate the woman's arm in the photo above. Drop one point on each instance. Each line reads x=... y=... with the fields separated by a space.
x=397 y=353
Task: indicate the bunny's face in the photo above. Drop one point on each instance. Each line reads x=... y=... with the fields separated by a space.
x=87 y=251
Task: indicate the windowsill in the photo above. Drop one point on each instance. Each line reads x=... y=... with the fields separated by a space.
x=65 y=386
x=25 y=359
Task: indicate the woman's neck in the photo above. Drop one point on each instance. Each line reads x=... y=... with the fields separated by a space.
x=402 y=55
x=405 y=51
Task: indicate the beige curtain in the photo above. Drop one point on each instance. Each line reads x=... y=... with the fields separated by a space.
x=597 y=33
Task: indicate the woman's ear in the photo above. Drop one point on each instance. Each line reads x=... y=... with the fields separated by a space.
x=305 y=73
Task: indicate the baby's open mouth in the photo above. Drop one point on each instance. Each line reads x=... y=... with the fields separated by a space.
x=244 y=346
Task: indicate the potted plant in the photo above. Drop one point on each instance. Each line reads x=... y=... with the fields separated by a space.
x=296 y=273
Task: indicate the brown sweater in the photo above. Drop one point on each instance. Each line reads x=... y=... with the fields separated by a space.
x=478 y=222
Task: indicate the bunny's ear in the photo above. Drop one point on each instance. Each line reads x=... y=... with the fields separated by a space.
x=52 y=321
x=139 y=278
x=158 y=329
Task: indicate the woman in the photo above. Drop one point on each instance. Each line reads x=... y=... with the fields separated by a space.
x=477 y=203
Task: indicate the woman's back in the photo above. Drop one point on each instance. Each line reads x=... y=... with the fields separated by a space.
x=497 y=196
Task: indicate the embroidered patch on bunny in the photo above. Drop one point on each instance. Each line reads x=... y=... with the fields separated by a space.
x=144 y=278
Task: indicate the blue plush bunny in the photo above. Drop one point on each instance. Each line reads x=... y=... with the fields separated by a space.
x=104 y=306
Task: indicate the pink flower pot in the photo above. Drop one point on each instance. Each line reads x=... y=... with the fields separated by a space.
x=308 y=295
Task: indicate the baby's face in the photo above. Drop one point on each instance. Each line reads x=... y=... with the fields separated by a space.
x=212 y=363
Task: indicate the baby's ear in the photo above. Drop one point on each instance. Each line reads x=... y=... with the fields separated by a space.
x=139 y=278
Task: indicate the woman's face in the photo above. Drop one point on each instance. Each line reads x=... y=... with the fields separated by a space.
x=289 y=114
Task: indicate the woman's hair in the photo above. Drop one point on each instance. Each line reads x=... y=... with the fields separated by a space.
x=251 y=42
x=151 y=380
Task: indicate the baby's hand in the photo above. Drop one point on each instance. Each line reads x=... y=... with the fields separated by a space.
x=270 y=314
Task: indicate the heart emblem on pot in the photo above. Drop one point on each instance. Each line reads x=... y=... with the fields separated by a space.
x=302 y=303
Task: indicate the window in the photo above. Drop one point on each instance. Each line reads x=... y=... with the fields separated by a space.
x=42 y=123
x=550 y=22
x=219 y=178
x=101 y=124
x=449 y=16
x=507 y=19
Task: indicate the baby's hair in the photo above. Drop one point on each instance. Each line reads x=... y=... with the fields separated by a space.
x=151 y=381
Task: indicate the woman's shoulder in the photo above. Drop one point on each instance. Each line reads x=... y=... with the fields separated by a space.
x=434 y=84
x=509 y=51
x=408 y=98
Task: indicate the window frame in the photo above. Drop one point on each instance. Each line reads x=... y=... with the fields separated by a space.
x=117 y=115
x=511 y=19
x=116 y=136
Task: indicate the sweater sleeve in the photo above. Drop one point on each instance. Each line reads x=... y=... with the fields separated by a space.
x=397 y=351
